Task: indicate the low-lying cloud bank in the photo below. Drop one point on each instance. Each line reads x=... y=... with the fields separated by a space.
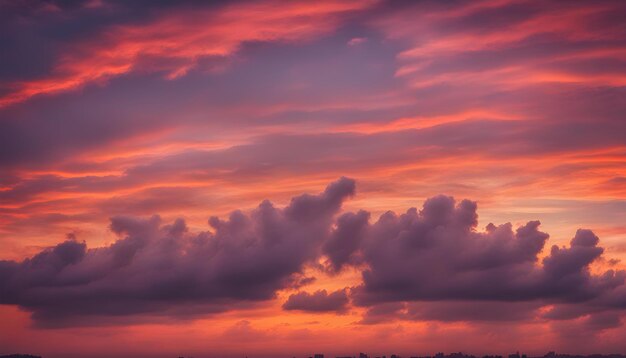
x=320 y=301
x=427 y=264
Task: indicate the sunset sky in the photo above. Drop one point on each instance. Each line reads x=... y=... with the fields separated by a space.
x=282 y=178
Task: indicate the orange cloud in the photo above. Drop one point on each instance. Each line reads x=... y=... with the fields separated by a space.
x=174 y=43
x=567 y=24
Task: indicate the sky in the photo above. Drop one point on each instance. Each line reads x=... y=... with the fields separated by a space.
x=282 y=178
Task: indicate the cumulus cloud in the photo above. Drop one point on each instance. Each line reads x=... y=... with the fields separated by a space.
x=319 y=301
x=155 y=267
x=437 y=254
x=430 y=264
x=345 y=240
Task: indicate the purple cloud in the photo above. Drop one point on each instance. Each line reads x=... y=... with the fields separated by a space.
x=319 y=301
x=427 y=264
x=436 y=254
x=156 y=268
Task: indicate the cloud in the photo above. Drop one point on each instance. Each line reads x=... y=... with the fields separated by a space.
x=495 y=46
x=356 y=41
x=436 y=254
x=163 y=268
x=319 y=301
x=430 y=264
x=243 y=331
x=345 y=240
x=452 y=311
x=604 y=320
x=164 y=45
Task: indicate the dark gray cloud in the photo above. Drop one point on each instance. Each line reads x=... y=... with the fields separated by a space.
x=452 y=311
x=604 y=320
x=319 y=301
